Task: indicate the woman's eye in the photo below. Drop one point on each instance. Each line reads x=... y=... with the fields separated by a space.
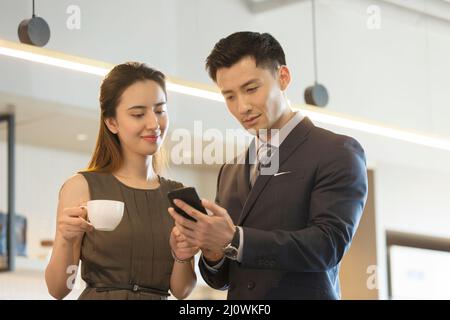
x=230 y=98
x=138 y=115
x=159 y=111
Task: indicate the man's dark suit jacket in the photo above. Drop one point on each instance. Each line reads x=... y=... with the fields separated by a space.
x=297 y=226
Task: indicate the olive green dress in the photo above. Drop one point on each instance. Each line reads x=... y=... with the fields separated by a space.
x=133 y=261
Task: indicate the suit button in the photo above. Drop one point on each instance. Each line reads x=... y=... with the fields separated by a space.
x=250 y=285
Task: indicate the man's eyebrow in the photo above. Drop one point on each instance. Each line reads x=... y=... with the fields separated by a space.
x=251 y=81
x=227 y=91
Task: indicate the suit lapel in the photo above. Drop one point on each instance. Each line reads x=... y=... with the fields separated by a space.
x=296 y=138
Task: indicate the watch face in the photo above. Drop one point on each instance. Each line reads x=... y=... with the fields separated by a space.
x=231 y=252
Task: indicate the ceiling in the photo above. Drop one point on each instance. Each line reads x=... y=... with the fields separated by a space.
x=49 y=124
x=439 y=9
x=257 y=6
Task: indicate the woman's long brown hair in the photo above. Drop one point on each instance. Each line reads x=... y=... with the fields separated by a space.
x=107 y=156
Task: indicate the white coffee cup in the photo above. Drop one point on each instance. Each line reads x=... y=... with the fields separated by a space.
x=105 y=215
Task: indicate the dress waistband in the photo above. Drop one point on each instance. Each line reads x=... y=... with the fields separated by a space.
x=101 y=287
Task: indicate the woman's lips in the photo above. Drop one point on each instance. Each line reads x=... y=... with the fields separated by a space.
x=150 y=138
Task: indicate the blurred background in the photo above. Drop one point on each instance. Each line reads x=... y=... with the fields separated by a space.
x=385 y=66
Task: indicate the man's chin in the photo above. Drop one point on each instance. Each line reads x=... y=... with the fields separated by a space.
x=252 y=130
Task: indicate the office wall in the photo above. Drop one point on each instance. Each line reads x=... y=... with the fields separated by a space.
x=393 y=74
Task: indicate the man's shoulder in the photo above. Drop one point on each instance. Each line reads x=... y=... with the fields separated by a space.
x=333 y=150
x=328 y=140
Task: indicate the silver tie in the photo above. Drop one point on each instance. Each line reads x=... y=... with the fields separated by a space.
x=263 y=155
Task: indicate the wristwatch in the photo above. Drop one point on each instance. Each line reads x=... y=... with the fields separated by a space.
x=231 y=250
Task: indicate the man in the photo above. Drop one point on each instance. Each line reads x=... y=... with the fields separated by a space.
x=280 y=235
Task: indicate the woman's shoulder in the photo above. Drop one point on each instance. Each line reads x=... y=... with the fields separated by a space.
x=172 y=184
x=96 y=177
x=76 y=185
x=76 y=181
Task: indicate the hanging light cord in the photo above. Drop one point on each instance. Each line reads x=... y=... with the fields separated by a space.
x=33 y=9
x=313 y=3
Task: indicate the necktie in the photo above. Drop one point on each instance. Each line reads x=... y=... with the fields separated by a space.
x=263 y=155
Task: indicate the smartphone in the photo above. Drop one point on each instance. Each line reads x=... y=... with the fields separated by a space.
x=188 y=195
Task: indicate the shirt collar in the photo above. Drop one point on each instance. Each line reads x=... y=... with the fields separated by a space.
x=277 y=139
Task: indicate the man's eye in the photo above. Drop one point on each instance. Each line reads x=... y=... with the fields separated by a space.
x=250 y=90
x=229 y=98
x=138 y=115
x=160 y=111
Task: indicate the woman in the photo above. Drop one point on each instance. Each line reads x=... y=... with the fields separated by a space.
x=145 y=256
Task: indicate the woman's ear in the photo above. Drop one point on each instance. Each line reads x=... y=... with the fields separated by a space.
x=284 y=77
x=111 y=123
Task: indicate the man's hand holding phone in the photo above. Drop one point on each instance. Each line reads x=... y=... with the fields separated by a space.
x=211 y=233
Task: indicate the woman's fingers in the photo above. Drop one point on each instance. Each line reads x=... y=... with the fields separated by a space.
x=88 y=227
x=180 y=238
x=184 y=244
x=190 y=251
x=79 y=223
x=176 y=232
x=87 y=224
x=75 y=212
x=85 y=227
x=75 y=231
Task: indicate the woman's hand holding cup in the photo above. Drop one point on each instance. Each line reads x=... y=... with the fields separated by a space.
x=72 y=223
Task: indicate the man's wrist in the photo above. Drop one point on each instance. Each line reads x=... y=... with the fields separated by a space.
x=231 y=251
x=213 y=258
x=234 y=233
x=231 y=237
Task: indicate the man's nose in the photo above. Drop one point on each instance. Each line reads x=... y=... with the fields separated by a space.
x=243 y=106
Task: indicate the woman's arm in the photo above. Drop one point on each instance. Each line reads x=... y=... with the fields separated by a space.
x=183 y=278
x=70 y=229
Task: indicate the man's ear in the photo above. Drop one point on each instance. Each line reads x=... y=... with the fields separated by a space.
x=284 y=77
x=111 y=123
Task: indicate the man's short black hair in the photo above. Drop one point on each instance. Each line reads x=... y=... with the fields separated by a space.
x=263 y=47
